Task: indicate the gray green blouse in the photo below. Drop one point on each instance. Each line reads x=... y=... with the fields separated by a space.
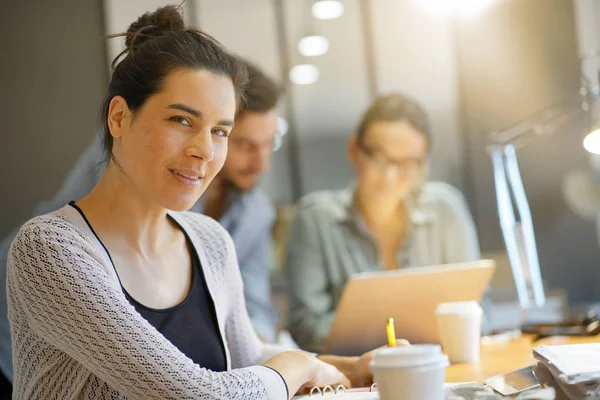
x=329 y=241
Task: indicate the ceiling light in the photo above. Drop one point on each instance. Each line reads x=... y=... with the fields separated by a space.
x=304 y=74
x=312 y=46
x=327 y=9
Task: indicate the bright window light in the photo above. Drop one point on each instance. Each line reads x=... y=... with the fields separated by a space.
x=312 y=46
x=304 y=74
x=327 y=9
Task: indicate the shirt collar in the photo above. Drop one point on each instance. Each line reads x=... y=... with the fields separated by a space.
x=419 y=210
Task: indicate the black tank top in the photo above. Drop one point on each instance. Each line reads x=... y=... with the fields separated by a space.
x=192 y=325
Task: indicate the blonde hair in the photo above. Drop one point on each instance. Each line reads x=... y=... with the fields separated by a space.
x=392 y=108
x=398 y=107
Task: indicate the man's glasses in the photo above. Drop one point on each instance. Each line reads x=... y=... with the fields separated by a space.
x=382 y=162
x=249 y=147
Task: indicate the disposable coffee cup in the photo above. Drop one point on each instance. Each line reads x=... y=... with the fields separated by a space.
x=414 y=372
x=459 y=328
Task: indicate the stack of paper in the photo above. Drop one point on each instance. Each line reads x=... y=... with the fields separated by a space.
x=575 y=368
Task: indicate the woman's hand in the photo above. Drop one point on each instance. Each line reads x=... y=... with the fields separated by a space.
x=357 y=368
x=325 y=374
x=301 y=371
x=362 y=375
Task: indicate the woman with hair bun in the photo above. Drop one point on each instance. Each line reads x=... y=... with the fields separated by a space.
x=123 y=294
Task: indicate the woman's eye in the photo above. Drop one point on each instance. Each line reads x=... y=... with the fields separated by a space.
x=220 y=132
x=181 y=120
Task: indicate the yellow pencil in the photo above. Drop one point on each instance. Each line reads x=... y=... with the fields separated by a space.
x=391 y=332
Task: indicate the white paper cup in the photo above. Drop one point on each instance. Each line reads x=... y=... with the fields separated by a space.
x=410 y=372
x=459 y=326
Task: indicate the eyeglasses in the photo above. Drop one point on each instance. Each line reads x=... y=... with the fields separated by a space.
x=381 y=161
x=251 y=147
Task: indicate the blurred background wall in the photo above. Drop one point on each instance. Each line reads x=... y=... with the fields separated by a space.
x=53 y=77
x=475 y=75
x=514 y=61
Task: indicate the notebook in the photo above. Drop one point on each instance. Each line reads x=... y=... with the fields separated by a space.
x=356 y=394
x=342 y=393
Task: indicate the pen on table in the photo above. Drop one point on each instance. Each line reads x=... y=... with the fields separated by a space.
x=391 y=332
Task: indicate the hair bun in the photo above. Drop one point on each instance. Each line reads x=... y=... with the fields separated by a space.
x=153 y=24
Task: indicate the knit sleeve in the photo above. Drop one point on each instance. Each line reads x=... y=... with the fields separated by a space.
x=60 y=292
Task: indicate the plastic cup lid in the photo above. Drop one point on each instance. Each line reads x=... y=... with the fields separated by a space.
x=459 y=308
x=408 y=356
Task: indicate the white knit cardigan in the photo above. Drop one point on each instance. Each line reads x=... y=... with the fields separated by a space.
x=75 y=335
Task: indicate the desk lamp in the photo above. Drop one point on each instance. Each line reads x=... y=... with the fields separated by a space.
x=513 y=209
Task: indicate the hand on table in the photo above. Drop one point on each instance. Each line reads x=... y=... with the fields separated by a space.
x=357 y=368
x=362 y=375
x=301 y=371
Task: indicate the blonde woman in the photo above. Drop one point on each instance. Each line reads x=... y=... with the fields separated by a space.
x=389 y=218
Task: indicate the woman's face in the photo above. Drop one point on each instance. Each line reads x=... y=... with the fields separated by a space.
x=175 y=144
x=390 y=160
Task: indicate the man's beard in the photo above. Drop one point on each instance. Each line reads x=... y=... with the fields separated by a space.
x=227 y=183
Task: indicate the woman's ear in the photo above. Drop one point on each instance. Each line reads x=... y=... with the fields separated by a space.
x=118 y=116
x=353 y=150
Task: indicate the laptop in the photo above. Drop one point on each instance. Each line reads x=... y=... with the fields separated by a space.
x=410 y=296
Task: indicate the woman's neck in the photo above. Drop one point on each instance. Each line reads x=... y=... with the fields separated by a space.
x=115 y=208
x=380 y=214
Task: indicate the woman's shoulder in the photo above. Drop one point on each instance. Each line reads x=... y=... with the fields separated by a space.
x=55 y=226
x=59 y=239
x=439 y=189
x=441 y=195
x=326 y=203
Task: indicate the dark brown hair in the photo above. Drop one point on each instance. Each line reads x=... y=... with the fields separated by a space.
x=262 y=93
x=392 y=108
x=157 y=43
